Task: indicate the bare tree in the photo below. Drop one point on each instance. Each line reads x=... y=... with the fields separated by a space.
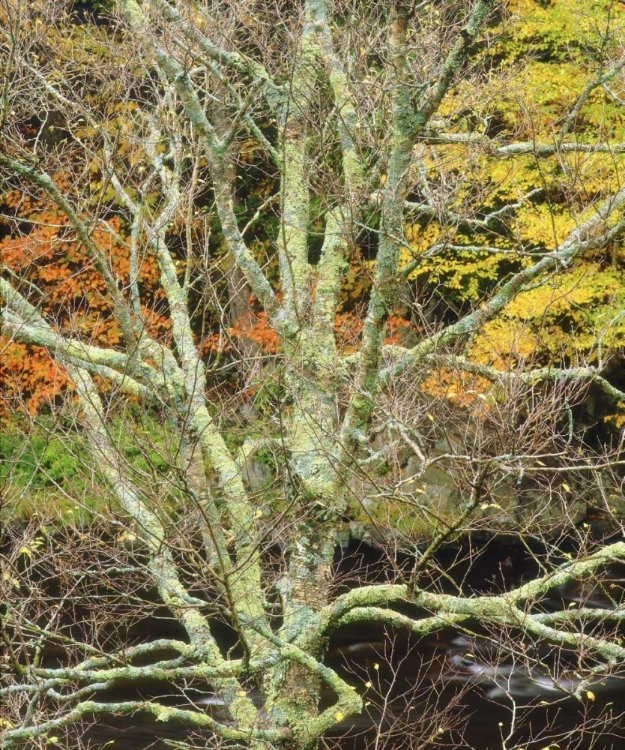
x=157 y=113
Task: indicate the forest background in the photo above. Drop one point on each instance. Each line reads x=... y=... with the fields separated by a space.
x=556 y=82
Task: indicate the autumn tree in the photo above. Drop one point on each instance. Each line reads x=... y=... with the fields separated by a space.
x=334 y=240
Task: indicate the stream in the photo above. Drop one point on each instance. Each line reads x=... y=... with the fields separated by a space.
x=455 y=689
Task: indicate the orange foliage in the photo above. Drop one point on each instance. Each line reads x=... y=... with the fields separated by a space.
x=257 y=329
x=458 y=387
x=60 y=278
x=396 y=329
x=348 y=329
x=28 y=375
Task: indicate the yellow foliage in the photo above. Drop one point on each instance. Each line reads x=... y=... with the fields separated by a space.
x=543 y=59
x=568 y=315
x=543 y=225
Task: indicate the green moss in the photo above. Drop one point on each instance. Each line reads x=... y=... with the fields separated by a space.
x=46 y=468
x=39 y=460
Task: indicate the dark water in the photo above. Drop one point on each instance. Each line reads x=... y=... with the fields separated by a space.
x=418 y=698
x=452 y=689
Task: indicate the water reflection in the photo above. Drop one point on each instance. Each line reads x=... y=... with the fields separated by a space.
x=447 y=690
x=514 y=681
x=453 y=692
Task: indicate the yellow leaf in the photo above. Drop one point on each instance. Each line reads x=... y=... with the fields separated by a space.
x=242 y=693
x=590 y=695
x=367 y=684
x=339 y=716
x=566 y=487
x=14 y=582
x=25 y=551
x=376 y=665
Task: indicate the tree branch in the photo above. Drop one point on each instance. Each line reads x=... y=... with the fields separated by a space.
x=584 y=237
